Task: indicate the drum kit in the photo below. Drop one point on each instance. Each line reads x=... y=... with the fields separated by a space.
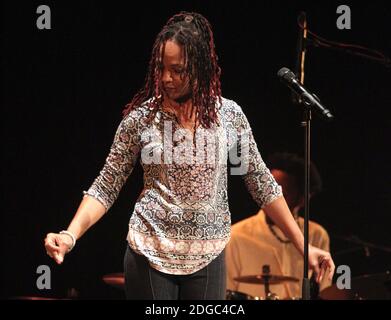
x=266 y=279
x=117 y=280
x=366 y=287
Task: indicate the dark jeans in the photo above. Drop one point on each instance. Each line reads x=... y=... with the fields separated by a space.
x=144 y=282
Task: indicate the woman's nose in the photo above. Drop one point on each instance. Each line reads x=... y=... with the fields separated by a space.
x=166 y=76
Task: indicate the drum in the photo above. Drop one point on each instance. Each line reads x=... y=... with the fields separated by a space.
x=237 y=295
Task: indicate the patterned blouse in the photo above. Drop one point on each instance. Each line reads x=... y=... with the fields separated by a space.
x=181 y=220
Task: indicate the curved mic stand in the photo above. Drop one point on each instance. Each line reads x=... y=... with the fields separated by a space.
x=361 y=244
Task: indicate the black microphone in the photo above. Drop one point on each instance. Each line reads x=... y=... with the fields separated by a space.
x=288 y=77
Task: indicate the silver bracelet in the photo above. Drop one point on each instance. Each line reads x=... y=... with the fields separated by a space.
x=72 y=236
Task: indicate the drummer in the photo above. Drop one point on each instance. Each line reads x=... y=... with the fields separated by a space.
x=256 y=241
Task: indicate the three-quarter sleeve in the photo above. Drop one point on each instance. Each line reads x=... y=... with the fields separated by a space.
x=120 y=162
x=257 y=177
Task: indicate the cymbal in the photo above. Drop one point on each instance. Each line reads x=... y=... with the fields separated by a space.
x=36 y=298
x=365 y=287
x=116 y=280
x=266 y=278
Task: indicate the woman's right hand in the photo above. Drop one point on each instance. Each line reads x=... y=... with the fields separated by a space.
x=57 y=245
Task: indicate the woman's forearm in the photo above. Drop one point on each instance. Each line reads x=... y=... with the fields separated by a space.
x=89 y=212
x=279 y=212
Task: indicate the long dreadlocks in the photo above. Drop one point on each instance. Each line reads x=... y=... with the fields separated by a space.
x=194 y=33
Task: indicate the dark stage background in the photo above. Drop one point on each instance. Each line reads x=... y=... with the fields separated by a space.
x=63 y=91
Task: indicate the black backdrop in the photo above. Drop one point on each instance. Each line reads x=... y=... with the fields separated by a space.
x=63 y=91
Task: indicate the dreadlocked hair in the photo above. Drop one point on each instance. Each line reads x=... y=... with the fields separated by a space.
x=194 y=33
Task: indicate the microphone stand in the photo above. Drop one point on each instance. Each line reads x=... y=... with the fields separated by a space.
x=306 y=123
x=307 y=156
x=361 y=244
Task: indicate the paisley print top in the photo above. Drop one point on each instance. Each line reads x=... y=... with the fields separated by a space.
x=181 y=220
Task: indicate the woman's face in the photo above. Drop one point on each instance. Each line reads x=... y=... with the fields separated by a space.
x=174 y=80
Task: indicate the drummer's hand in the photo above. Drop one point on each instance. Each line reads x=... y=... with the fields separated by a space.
x=57 y=245
x=320 y=261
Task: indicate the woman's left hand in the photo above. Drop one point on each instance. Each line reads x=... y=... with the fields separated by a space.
x=320 y=261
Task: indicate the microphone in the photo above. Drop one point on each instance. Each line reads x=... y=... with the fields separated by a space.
x=288 y=77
